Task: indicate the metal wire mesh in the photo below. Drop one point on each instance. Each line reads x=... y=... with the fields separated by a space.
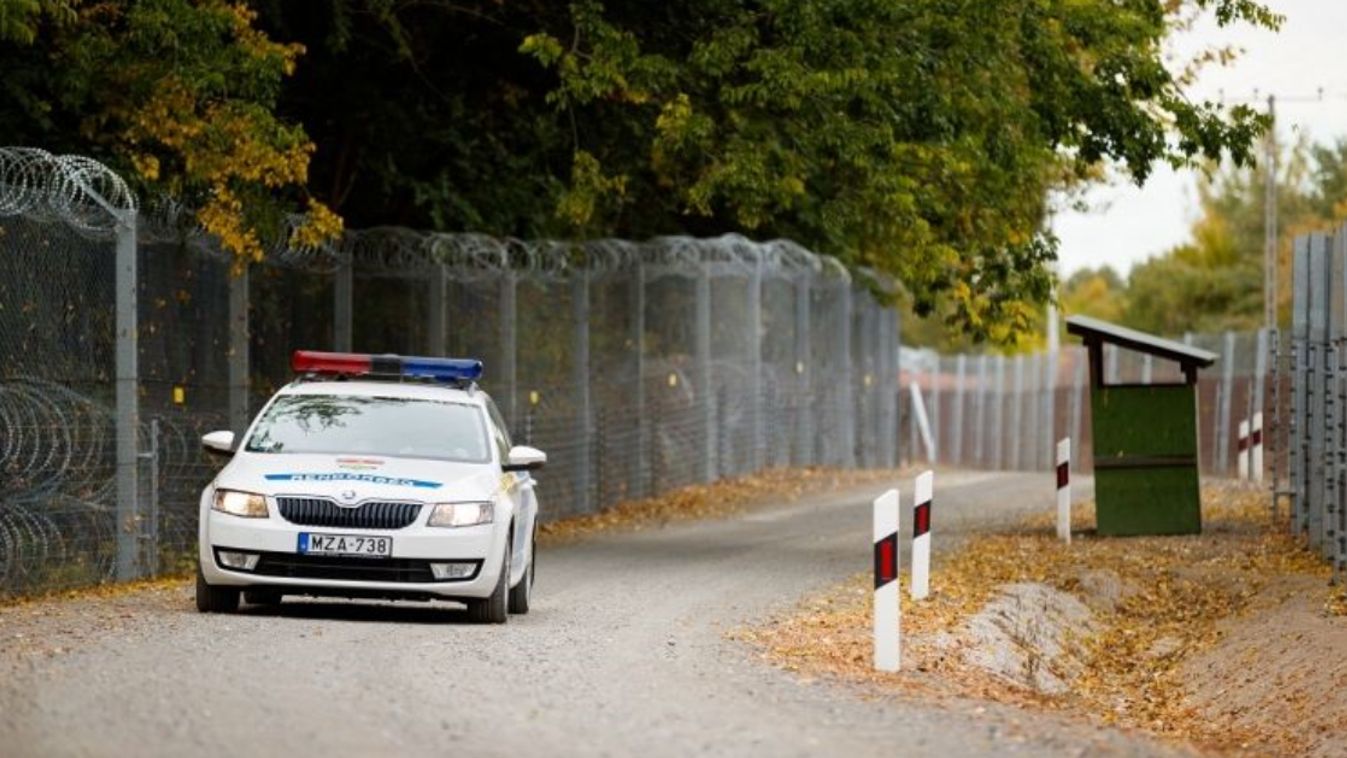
x=639 y=367
x=1309 y=388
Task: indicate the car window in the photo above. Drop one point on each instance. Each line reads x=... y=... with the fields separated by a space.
x=392 y=426
x=501 y=434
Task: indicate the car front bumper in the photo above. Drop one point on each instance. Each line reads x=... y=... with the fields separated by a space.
x=280 y=566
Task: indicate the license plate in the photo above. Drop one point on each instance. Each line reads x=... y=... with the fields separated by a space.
x=345 y=544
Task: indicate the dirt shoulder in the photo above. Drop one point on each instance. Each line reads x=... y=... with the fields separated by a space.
x=1226 y=641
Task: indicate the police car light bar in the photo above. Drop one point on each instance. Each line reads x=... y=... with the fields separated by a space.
x=406 y=367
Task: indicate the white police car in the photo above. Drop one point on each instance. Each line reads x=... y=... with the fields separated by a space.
x=372 y=476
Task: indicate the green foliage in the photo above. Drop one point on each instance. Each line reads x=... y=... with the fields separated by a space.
x=178 y=94
x=1214 y=281
x=918 y=139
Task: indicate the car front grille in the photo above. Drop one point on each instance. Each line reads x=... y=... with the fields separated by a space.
x=313 y=511
x=295 y=566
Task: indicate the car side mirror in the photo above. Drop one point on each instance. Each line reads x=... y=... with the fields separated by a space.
x=218 y=443
x=524 y=458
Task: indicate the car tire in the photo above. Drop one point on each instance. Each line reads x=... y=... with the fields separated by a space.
x=215 y=599
x=521 y=595
x=495 y=609
x=262 y=597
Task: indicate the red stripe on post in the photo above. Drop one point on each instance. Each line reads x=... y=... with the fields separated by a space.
x=1063 y=474
x=921 y=519
x=1243 y=444
x=1258 y=436
x=886 y=560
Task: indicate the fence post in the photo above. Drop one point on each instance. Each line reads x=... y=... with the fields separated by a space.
x=1032 y=399
x=703 y=369
x=913 y=380
x=1078 y=400
x=1317 y=421
x=803 y=433
x=437 y=311
x=151 y=552
x=127 y=401
x=1017 y=415
x=642 y=460
x=1297 y=448
x=999 y=415
x=343 y=303
x=238 y=362
x=509 y=346
x=581 y=378
x=895 y=369
x=847 y=380
x=980 y=414
x=1227 y=391
x=756 y=406
x=937 y=411
x=956 y=423
x=1048 y=430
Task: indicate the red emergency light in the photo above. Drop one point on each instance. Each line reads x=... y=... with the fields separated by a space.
x=405 y=367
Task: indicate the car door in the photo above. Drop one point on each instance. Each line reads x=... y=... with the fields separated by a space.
x=518 y=486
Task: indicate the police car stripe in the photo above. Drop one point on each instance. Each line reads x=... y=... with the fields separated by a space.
x=347 y=476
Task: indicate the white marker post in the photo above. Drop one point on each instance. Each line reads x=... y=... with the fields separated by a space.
x=887 y=632
x=1256 y=444
x=1242 y=460
x=921 y=535
x=923 y=422
x=1064 y=490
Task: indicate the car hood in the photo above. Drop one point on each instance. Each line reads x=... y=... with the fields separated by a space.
x=367 y=476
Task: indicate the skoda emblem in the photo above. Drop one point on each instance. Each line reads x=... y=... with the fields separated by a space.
x=348 y=497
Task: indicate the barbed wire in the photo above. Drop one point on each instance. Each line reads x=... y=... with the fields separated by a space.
x=70 y=189
x=405 y=252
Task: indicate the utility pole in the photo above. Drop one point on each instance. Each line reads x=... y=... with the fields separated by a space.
x=1270 y=196
x=1270 y=217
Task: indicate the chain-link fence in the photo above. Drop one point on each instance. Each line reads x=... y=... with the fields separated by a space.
x=1310 y=392
x=1008 y=412
x=638 y=367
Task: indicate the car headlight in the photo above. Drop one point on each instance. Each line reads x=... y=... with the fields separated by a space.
x=461 y=514
x=235 y=503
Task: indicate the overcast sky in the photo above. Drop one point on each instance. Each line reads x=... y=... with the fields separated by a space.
x=1126 y=224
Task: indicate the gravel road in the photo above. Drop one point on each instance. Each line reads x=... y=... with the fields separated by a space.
x=625 y=653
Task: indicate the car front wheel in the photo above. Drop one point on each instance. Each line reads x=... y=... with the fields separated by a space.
x=215 y=599
x=521 y=595
x=495 y=609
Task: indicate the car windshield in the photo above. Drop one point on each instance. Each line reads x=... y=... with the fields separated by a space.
x=392 y=426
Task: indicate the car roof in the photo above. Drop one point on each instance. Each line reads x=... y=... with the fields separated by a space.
x=409 y=390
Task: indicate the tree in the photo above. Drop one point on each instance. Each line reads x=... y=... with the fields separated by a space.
x=918 y=138
x=1214 y=281
x=179 y=94
x=1100 y=293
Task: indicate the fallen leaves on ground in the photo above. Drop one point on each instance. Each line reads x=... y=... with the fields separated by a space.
x=1163 y=599
x=720 y=499
x=109 y=589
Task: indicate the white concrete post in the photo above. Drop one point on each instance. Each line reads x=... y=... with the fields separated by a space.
x=887 y=615
x=1256 y=443
x=923 y=423
x=921 y=535
x=1064 y=490
x=1242 y=459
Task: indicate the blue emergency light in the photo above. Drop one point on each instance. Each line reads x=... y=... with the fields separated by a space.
x=399 y=366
